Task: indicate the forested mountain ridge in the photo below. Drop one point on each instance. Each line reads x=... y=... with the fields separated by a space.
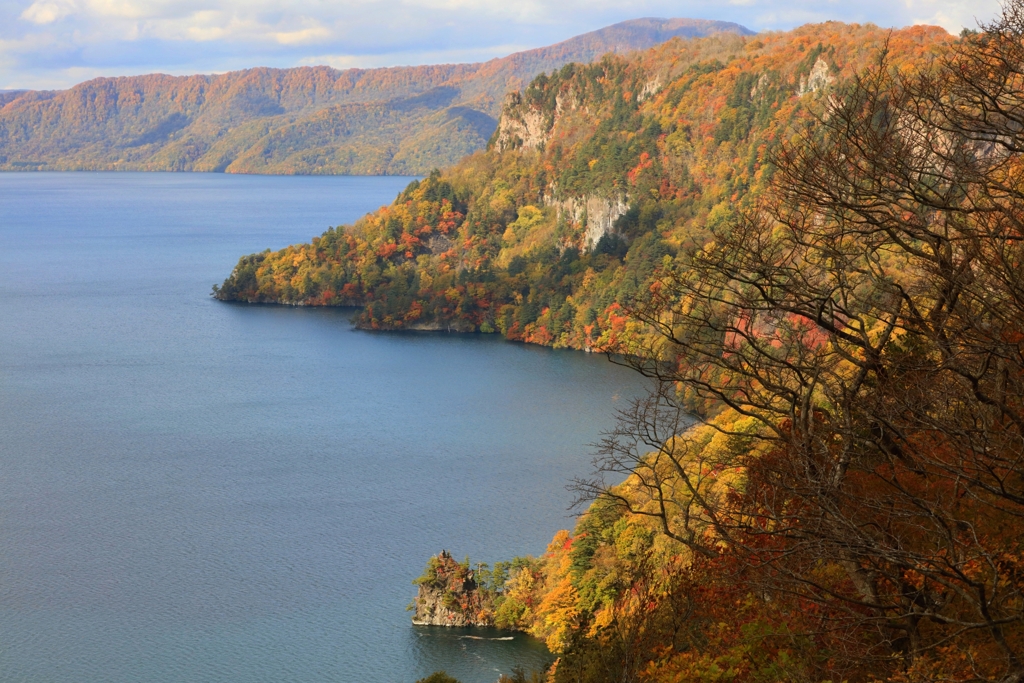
x=598 y=175
x=401 y=120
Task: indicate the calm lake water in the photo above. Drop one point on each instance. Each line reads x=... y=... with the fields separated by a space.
x=199 y=491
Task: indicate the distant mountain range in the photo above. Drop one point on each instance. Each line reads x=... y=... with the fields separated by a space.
x=307 y=120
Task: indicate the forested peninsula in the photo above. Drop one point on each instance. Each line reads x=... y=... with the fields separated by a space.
x=596 y=177
x=813 y=243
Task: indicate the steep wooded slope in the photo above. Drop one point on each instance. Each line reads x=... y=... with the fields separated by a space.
x=848 y=328
x=598 y=175
x=849 y=509
x=403 y=120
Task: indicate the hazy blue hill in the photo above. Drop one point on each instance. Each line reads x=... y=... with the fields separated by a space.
x=400 y=120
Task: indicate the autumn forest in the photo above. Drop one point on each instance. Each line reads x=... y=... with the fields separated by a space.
x=811 y=243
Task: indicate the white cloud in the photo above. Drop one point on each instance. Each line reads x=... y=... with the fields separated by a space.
x=952 y=16
x=48 y=11
x=941 y=19
x=314 y=34
x=121 y=9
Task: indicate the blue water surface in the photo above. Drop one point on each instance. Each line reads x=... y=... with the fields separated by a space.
x=199 y=491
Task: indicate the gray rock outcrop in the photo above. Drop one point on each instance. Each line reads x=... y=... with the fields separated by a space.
x=448 y=595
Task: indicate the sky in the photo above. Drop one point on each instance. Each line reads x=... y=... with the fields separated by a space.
x=53 y=44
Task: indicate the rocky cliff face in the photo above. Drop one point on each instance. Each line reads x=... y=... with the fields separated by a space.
x=448 y=595
x=819 y=78
x=526 y=126
x=596 y=214
x=521 y=129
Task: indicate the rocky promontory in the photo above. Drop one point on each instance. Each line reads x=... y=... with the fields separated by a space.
x=449 y=595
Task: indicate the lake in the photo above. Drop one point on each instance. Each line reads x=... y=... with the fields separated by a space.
x=199 y=491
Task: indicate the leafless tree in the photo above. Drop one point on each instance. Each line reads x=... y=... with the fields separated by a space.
x=868 y=320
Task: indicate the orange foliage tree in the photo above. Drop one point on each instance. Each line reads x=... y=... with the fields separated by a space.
x=860 y=332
